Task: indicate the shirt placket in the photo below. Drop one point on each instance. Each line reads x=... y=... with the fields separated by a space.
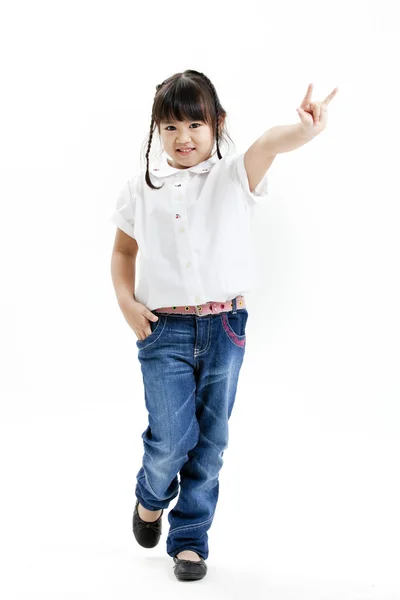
x=192 y=283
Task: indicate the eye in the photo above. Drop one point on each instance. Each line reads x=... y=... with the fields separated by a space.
x=167 y=128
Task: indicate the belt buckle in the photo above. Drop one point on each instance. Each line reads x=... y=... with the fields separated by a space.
x=197 y=306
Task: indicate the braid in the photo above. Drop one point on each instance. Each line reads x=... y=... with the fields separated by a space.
x=148 y=180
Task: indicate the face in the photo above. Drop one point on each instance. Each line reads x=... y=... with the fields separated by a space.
x=190 y=134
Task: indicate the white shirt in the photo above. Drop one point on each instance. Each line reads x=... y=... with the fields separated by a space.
x=194 y=235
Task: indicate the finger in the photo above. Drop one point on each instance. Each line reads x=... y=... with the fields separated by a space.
x=305 y=118
x=316 y=110
x=331 y=96
x=300 y=112
x=307 y=98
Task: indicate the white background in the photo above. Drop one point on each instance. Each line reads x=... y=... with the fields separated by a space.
x=309 y=492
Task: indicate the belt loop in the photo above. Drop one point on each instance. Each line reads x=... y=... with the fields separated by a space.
x=234 y=306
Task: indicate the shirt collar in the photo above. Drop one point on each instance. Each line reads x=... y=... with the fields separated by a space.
x=159 y=167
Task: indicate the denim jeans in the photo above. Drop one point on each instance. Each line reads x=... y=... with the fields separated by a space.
x=190 y=366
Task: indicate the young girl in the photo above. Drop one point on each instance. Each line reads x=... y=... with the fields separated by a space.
x=189 y=213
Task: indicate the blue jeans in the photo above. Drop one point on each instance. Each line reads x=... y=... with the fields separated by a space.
x=190 y=366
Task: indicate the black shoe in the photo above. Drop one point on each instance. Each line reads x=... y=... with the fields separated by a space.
x=189 y=570
x=147 y=534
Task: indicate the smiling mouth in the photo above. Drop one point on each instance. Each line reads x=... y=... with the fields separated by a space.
x=186 y=152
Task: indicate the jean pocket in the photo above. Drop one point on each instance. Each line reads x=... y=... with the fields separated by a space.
x=234 y=325
x=156 y=330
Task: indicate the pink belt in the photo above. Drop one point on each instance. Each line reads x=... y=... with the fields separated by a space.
x=209 y=308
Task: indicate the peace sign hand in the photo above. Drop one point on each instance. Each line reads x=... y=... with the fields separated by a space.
x=314 y=115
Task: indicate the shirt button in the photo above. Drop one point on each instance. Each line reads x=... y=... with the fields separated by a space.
x=182 y=229
x=188 y=264
x=197 y=298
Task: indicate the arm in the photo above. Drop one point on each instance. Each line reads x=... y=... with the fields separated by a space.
x=260 y=156
x=123 y=267
x=283 y=138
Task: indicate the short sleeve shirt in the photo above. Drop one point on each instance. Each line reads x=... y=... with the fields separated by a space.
x=194 y=234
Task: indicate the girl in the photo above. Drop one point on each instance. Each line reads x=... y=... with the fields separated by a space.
x=189 y=213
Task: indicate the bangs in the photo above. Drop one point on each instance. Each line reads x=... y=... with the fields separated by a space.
x=182 y=102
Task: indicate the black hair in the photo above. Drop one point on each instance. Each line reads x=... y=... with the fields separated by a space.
x=189 y=95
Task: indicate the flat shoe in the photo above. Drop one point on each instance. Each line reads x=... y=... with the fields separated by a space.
x=189 y=570
x=147 y=534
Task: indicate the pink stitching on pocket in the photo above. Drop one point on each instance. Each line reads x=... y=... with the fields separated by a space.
x=232 y=335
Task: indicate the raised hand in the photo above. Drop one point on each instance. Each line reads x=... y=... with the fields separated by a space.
x=314 y=115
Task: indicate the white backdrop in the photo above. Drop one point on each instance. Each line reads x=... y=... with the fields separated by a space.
x=309 y=492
